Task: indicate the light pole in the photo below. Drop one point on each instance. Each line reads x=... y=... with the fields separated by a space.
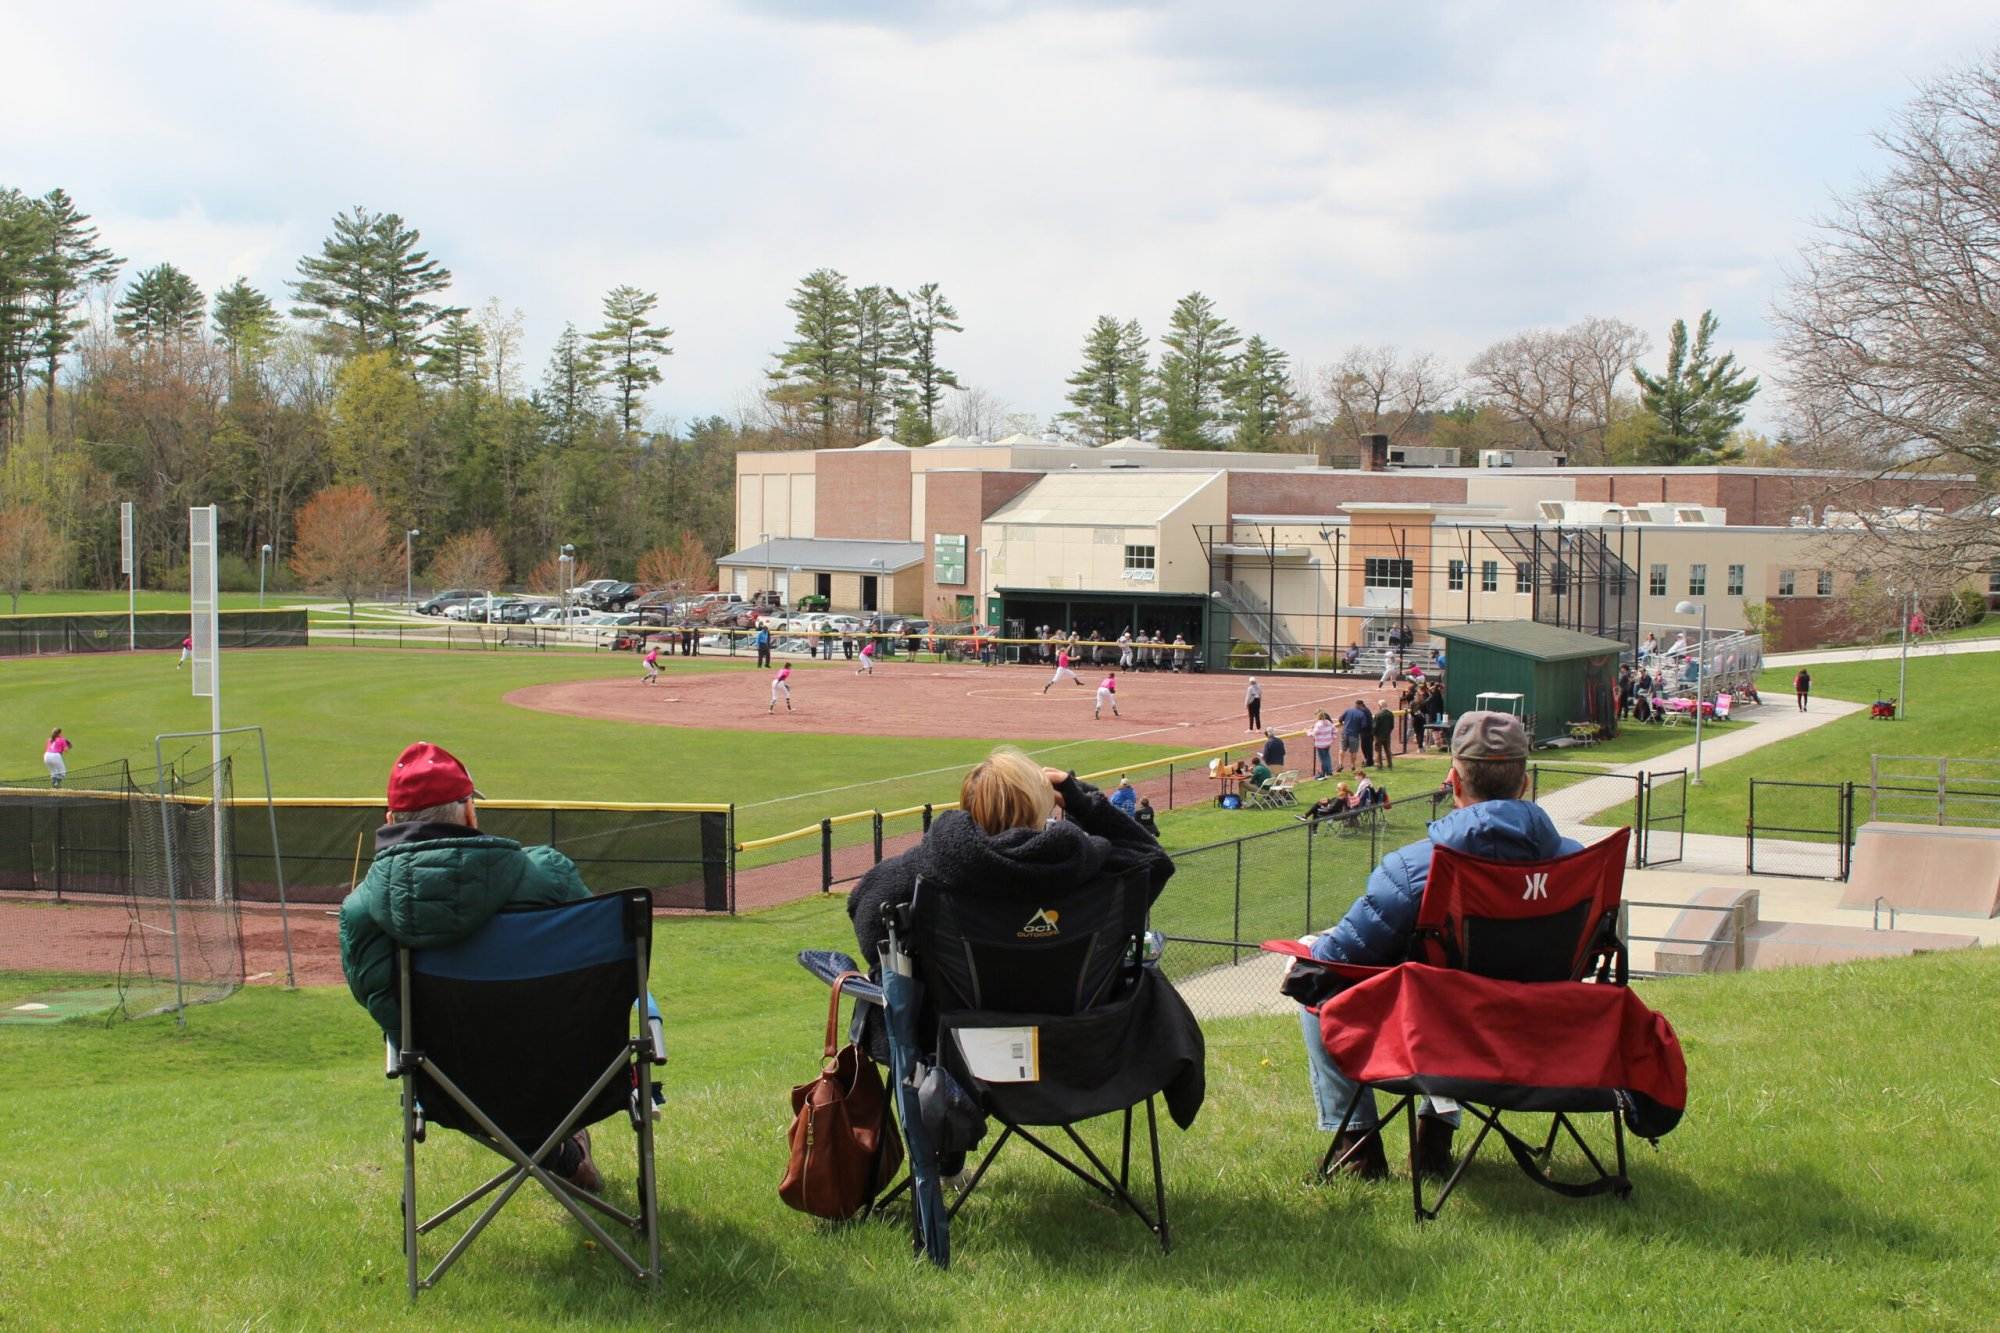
x=1700 y=678
x=409 y=534
x=263 y=555
x=764 y=539
x=1903 y=665
x=565 y=568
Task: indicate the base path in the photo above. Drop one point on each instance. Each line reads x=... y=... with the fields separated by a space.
x=1187 y=711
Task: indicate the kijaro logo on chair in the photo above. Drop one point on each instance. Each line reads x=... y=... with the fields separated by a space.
x=1041 y=924
x=1537 y=885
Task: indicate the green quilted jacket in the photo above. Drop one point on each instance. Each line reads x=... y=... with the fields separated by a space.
x=433 y=884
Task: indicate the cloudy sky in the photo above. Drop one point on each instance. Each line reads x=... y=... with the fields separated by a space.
x=1429 y=175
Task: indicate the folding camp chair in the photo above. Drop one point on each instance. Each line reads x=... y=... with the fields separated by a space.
x=1046 y=1010
x=1281 y=789
x=1492 y=1011
x=1259 y=797
x=517 y=1037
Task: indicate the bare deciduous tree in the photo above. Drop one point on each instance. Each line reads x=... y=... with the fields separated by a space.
x=470 y=560
x=685 y=566
x=1380 y=391
x=1890 y=329
x=1561 y=384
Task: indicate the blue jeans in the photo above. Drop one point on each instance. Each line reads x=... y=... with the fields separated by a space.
x=1323 y=760
x=1333 y=1090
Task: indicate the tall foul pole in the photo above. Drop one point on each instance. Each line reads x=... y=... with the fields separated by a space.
x=205 y=631
x=128 y=566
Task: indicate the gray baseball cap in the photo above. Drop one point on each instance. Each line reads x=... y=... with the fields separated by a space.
x=1483 y=734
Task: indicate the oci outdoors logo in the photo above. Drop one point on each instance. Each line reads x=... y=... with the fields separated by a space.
x=1042 y=923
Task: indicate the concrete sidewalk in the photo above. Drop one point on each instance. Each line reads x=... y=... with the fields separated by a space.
x=1769 y=723
x=1887 y=652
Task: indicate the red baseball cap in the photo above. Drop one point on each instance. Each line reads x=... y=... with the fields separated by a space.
x=426 y=775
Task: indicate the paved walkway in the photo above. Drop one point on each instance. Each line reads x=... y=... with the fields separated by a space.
x=1882 y=652
x=1767 y=725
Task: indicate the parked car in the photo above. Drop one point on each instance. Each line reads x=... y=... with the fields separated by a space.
x=478 y=608
x=619 y=596
x=520 y=611
x=556 y=615
x=846 y=624
x=442 y=602
x=588 y=593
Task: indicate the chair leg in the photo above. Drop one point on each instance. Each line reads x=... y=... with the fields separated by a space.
x=1125 y=1152
x=1159 y=1181
x=979 y=1173
x=649 y=1202
x=410 y=1184
x=1486 y=1126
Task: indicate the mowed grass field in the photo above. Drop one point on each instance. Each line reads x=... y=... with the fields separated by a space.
x=336 y=718
x=1832 y=1172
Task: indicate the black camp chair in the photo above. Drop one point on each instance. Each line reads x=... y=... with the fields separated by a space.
x=1047 y=1013
x=517 y=1037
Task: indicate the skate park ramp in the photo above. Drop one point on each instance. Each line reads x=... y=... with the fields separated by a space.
x=1934 y=869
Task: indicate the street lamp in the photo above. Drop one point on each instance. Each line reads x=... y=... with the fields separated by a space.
x=565 y=570
x=764 y=539
x=263 y=554
x=408 y=535
x=1907 y=606
x=1700 y=677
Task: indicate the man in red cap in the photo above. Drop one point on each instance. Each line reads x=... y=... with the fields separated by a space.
x=435 y=880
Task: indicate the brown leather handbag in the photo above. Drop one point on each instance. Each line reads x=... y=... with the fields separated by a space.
x=844 y=1142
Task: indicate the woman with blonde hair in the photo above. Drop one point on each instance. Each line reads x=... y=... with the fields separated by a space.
x=1018 y=826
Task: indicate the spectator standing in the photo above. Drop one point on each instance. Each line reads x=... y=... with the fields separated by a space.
x=1274 y=748
x=1368 y=736
x=1385 y=735
x=1145 y=818
x=1253 y=704
x=1322 y=743
x=1802 y=687
x=1352 y=723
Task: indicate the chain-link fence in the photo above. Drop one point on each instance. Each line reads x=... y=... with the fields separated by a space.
x=112 y=632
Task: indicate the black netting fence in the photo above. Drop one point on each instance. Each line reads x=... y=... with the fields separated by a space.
x=110 y=632
x=681 y=853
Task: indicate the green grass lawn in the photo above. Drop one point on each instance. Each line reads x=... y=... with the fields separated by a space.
x=335 y=720
x=1832 y=1172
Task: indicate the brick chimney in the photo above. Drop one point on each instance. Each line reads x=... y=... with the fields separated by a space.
x=1374 y=453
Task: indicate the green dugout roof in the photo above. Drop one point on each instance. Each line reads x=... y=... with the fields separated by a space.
x=1528 y=638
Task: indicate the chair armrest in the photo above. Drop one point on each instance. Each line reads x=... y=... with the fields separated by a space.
x=393 y=1057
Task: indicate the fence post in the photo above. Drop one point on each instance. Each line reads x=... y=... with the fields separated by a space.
x=1236 y=909
x=1750 y=833
x=1642 y=794
x=1847 y=830
x=927 y=816
x=59 y=850
x=878 y=837
x=1309 y=880
x=1170 y=786
x=826 y=856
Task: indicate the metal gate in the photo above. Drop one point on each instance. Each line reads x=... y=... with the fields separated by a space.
x=1662 y=818
x=1803 y=829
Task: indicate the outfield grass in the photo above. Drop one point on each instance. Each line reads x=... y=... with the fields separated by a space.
x=335 y=720
x=1832 y=1172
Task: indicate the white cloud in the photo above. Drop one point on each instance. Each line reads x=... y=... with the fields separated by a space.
x=1329 y=174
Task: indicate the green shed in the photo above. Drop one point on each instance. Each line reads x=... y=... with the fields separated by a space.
x=1562 y=676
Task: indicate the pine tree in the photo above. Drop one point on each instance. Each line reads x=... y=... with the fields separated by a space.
x=162 y=306
x=456 y=355
x=23 y=239
x=879 y=360
x=815 y=371
x=1695 y=403
x=926 y=314
x=70 y=264
x=244 y=320
x=1260 y=399
x=368 y=283
x=1192 y=372
x=568 y=396
x=1098 y=387
x=625 y=353
x=1137 y=378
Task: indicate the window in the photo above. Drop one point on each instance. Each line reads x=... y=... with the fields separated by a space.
x=1656 y=581
x=1139 y=561
x=1457 y=575
x=1788 y=583
x=1736 y=580
x=948 y=557
x=1383 y=572
x=1697 y=580
x=1489 y=575
x=1826 y=583
x=1524 y=576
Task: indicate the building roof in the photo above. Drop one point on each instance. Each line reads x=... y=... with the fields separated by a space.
x=1131 y=442
x=1528 y=638
x=880 y=443
x=1100 y=498
x=955 y=442
x=857 y=557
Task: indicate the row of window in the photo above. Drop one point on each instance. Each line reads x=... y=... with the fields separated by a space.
x=1656 y=579
x=1489 y=576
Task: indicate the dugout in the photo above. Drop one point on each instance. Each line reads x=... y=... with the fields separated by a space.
x=1104 y=614
x=1563 y=676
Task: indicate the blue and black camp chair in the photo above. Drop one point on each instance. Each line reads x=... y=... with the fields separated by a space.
x=520 y=1035
x=1513 y=999
x=1041 y=1010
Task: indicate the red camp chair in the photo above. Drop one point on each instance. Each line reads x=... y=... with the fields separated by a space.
x=1513 y=1000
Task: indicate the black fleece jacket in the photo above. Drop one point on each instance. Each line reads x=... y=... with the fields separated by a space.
x=1093 y=839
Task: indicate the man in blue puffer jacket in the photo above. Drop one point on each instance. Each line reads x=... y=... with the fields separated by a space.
x=434 y=881
x=1489 y=763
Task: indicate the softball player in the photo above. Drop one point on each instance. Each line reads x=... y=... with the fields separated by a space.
x=652 y=660
x=867 y=667
x=1107 y=694
x=1063 y=660
x=778 y=687
x=187 y=651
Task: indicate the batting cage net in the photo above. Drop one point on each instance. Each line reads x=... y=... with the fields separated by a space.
x=118 y=892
